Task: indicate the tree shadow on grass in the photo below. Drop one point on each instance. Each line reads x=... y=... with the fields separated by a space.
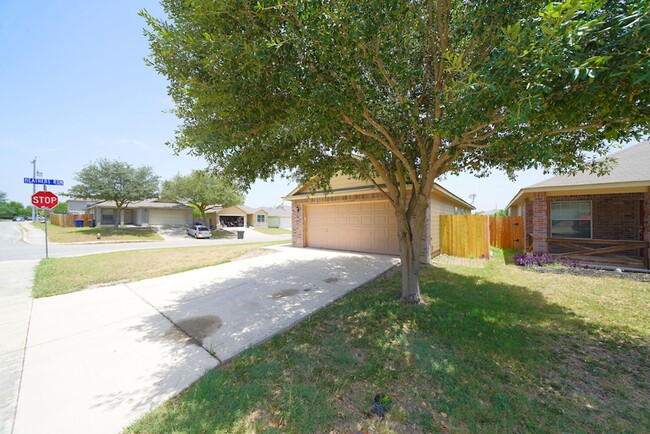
x=481 y=357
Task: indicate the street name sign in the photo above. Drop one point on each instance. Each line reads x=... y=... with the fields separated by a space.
x=43 y=181
x=45 y=199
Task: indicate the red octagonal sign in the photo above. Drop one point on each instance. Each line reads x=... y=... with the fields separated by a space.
x=45 y=199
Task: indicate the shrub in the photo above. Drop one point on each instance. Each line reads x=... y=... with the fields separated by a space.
x=527 y=259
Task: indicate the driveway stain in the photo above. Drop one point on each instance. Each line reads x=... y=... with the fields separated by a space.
x=332 y=280
x=285 y=293
x=198 y=327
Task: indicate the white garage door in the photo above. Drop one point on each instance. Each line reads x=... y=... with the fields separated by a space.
x=362 y=227
x=167 y=217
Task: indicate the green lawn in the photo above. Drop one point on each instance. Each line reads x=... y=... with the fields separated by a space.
x=58 y=234
x=498 y=349
x=57 y=276
x=273 y=231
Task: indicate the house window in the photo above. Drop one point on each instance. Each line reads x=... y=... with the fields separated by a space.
x=571 y=219
x=107 y=216
x=261 y=218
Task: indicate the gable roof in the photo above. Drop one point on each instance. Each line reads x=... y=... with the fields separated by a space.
x=149 y=203
x=630 y=169
x=247 y=209
x=277 y=212
x=352 y=186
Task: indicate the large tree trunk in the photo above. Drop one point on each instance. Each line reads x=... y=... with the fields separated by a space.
x=118 y=217
x=410 y=233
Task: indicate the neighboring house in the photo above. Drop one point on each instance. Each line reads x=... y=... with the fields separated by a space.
x=564 y=214
x=239 y=216
x=143 y=213
x=355 y=216
x=79 y=206
x=279 y=217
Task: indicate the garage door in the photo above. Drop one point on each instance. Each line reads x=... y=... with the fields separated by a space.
x=167 y=217
x=362 y=227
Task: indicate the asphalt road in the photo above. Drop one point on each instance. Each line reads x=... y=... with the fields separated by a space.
x=13 y=247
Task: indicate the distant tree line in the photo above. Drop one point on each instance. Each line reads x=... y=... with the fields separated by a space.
x=12 y=209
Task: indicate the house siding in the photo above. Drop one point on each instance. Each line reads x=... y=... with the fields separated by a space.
x=437 y=207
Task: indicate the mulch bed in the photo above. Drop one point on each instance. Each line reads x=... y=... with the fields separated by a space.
x=575 y=271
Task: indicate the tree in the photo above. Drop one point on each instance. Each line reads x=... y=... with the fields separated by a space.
x=115 y=181
x=61 y=208
x=202 y=190
x=403 y=91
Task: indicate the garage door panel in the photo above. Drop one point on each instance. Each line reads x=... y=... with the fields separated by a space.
x=366 y=227
x=167 y=217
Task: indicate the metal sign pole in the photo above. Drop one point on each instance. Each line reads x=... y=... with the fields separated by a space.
x=46 y=250
x=45 y=210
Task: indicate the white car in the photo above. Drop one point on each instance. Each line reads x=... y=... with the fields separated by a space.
x=199 y=232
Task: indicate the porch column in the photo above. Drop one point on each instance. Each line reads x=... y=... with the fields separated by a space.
x=540 y=223
x=646 y=216
x=297 y=224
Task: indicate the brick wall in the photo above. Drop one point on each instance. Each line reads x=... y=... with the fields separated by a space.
x=297 y=224
x=540 y=223
x=614 y=216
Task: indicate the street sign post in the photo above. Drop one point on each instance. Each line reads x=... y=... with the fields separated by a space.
x=45 y=199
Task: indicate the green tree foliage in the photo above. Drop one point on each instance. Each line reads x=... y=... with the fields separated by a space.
x=202 y=190
x=403 y=91
x=61 y=208
x=12 y=209
x=115 y=181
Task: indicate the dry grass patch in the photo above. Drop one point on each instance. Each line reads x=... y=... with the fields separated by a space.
x=58 y=234
x=62 y=275
x=273 y=231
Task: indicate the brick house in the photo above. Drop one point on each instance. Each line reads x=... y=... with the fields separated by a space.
x=355 y=216
x=591 y=218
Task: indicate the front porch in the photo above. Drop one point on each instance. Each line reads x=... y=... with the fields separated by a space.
x=599 y=229
x=610 y=253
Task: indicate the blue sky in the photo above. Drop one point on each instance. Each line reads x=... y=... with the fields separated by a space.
x=74 y=88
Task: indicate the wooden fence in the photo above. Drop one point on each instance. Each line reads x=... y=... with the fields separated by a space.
x=466 y=236
x=67 y=220
x=470 y=236
x=507 y=232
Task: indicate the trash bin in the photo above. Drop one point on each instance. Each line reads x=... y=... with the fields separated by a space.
x=240 y=235
x=79 y=223
x=91 y=223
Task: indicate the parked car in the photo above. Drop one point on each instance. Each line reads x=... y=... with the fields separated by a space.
x=199 y=232
x=18 y=218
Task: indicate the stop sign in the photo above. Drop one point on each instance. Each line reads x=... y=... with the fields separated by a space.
x=45 y=199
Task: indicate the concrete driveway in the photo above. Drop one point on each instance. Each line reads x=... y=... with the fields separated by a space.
x=97 y=360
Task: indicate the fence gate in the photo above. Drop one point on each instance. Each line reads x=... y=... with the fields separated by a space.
x=507 y=232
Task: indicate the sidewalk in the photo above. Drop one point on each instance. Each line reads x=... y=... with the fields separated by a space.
x=16 y=279
x=99 y=359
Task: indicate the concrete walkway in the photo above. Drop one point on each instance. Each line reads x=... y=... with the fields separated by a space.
x=97 y=360
x=16 y=279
